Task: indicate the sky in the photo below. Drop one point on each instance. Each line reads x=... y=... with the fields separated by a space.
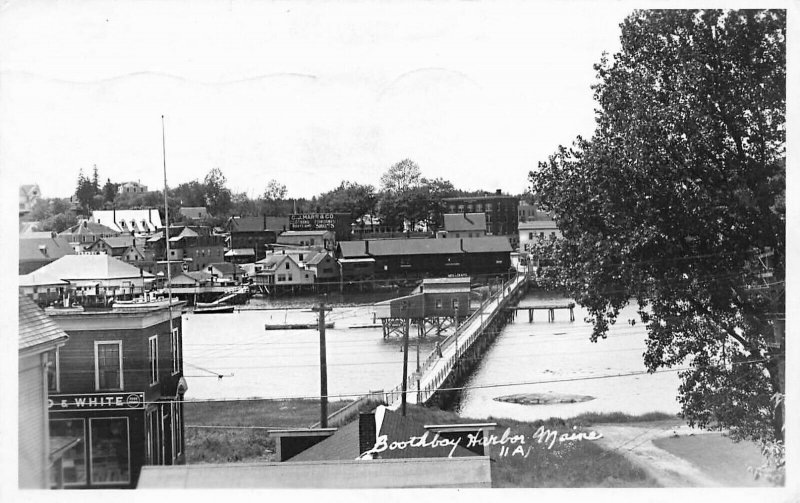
x=307 y=93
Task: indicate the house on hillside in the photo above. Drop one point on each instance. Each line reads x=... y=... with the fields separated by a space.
x=122 y=247
x=144 y=221
x=86 y=232
x=132 y=188
x=194 y=213
x=40 y=453
x=36 y=250
x=28 y=196
x=539 y=226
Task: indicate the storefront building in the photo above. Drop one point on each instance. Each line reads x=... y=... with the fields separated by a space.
x=117 y=394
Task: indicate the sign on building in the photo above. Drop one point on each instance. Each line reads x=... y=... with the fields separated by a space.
x=312 y=221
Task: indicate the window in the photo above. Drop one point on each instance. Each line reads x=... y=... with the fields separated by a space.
x=108 y=365
x=152 y=358
x=176 y=351
x=405 y=262
x=438 y=303
x=53 y=377
x=281 y=277
x=455 y=304
x=289 y=277
x=73 y=462
x=287 y=265
x=109 y=450
x=530 y=235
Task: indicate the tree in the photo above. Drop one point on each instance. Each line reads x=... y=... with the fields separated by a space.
x=85 y=192
x=677 y=197
x=274 y=191
x=217 y=196
x=190 y=194
x=110 y=191
x=401 y=177
x=349 y=197
x=273 y=202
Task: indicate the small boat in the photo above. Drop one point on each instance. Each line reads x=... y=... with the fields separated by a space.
x=295 y=326
x=212 y=308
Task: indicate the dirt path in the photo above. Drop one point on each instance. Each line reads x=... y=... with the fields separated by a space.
x=636 y=444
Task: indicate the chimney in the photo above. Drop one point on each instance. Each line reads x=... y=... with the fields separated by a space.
x=461 y=243
x=366 y=247
x=367 y=436
x=265 y=222
x=498 y=192
x=53 y=234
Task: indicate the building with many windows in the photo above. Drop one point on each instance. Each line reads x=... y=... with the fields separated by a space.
x=117 y=392
x=502 y=217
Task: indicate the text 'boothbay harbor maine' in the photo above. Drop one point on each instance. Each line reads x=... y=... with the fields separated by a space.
x=329 y=313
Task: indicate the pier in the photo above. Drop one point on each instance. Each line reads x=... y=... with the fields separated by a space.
x=448 y=364
x=550 y=308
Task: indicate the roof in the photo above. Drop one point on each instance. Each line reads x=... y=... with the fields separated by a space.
x=185 y=233
x=240 y=252
x=538 y=224
x=316 y=259
x=387 y=247
x=39 y=278
x=88 y=227
x=146 y=220
x=36 y=329
x=195 y=212
x=455 y=222
x=200 y=276
x=488 y=244
x=305 y=233
x=225 y=267
x=344 y=444
x=472 y=471
x=91 y=267
x=41 y=248
x=352 y=249
x=273 y=260
x=119 y=241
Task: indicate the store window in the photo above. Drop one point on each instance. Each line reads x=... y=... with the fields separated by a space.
x=152 y=357
x=73 y=462
x=108 y=365
x=53 y=378
x=109 y=451
x=176 y=351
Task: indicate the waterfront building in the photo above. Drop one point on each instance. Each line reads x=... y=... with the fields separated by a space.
x=138 y=222
x=195 y=246
x=280 y=271
x=122 y=247
x=323 y=266
x=36 y=250
x=418 y=258
x=90 y=279
x=501 y=211
x=540 y=226
x=118 y=391
x=39 y=341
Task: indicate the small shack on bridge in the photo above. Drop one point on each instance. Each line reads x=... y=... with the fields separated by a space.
x=441 y=302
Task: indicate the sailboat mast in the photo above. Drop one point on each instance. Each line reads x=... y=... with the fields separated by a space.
x=166 y=224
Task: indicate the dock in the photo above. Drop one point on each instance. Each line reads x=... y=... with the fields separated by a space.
x=550 y=308
x=295 y=326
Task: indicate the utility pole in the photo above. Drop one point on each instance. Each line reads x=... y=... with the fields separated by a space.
x=323 y=367
x=405 y=366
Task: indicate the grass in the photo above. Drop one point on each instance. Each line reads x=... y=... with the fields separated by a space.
x=569 y=464
x=226 y=445
x=590 y=418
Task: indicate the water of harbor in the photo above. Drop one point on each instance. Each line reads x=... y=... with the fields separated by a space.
x=555 y=357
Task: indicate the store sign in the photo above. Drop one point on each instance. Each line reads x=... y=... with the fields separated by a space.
x=312 y=221
x=96 y=401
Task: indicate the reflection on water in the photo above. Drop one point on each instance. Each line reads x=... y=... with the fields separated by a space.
x=285 y=363
x=255 y=362
x=560 y=357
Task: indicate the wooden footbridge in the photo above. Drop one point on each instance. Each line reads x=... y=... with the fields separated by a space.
x=456 y=356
